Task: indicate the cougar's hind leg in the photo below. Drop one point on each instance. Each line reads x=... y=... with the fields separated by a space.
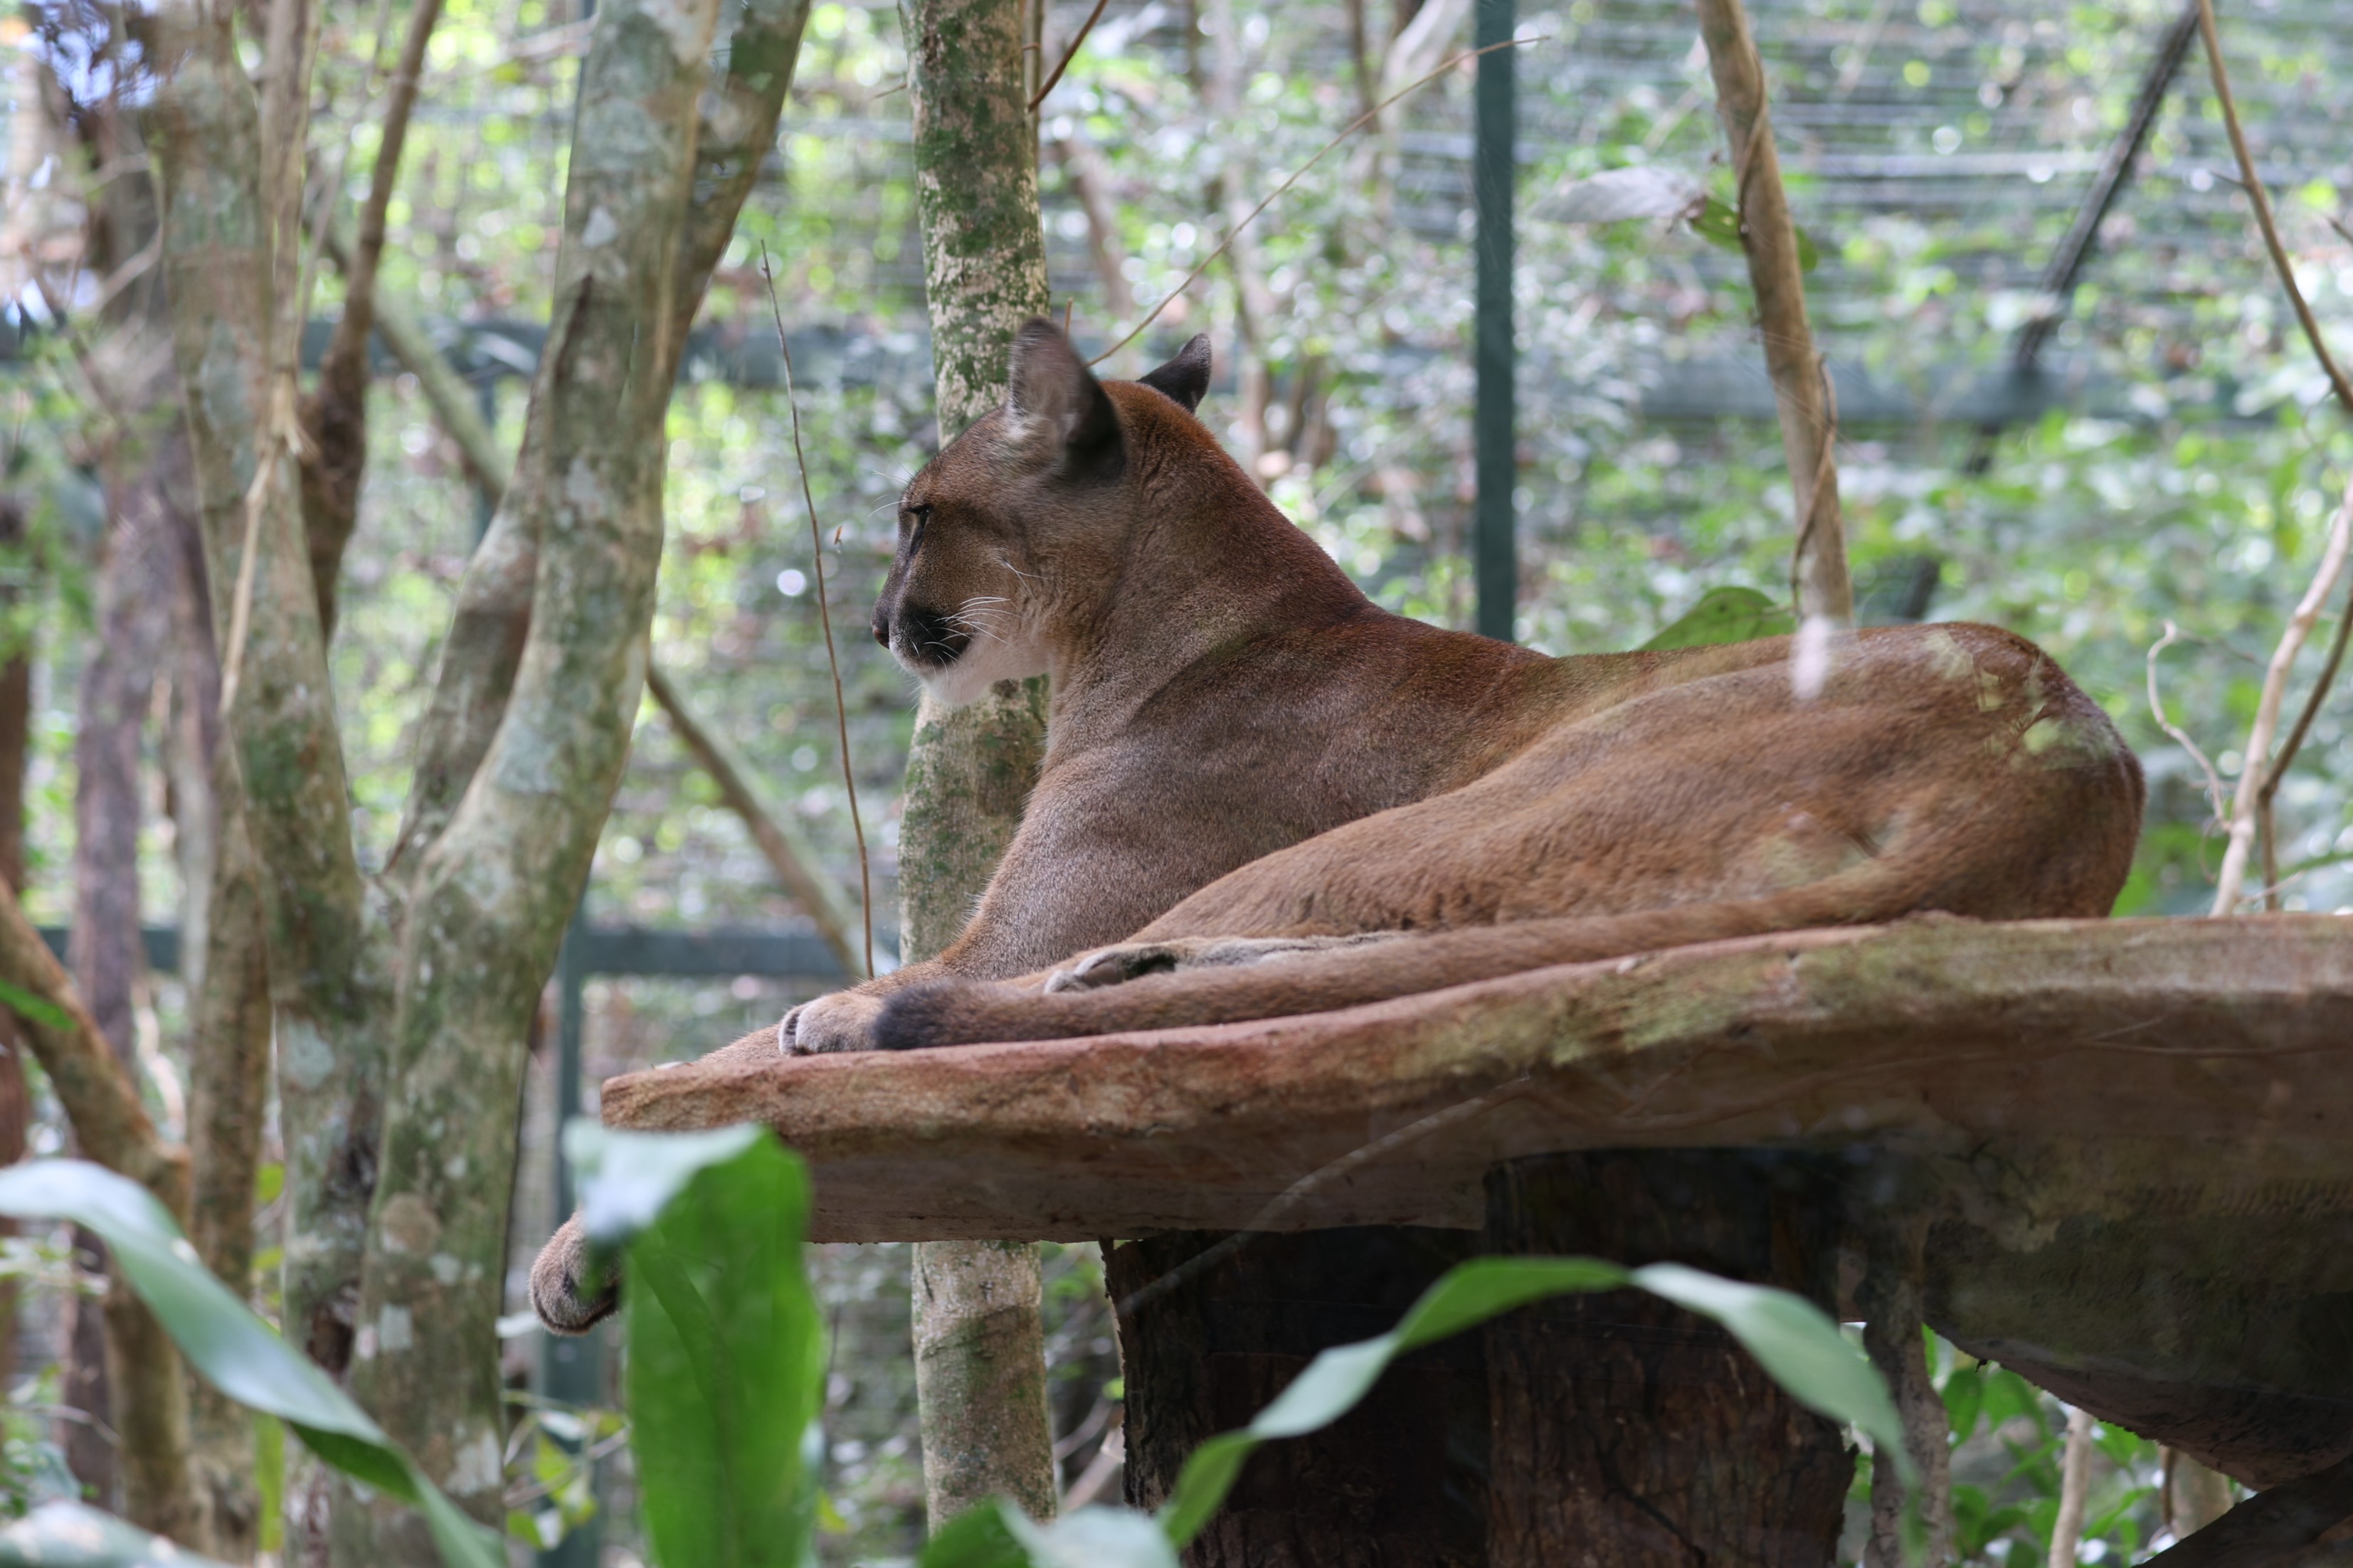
x=1126 y=961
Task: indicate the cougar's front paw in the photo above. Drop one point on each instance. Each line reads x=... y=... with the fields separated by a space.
x=562 y=1291
x=843 y=1021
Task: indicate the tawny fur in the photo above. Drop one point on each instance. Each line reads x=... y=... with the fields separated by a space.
x=1241 y=745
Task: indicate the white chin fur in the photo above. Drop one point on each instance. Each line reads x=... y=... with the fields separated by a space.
x=985 y=663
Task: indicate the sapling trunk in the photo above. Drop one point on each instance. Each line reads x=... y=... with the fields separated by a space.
x=980 y=1367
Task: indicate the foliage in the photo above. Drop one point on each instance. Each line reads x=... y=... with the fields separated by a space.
x=1725 y=616
x=236 y=1351
x=725 y=1353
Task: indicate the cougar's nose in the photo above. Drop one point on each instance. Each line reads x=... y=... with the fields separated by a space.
x=881 y=624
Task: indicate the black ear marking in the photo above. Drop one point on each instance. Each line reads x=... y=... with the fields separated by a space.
x=1185 y=378
x=1051 y=391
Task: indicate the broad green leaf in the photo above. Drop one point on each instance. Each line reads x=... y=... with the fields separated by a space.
x=1797 y=1347
x=979 y=1538
x=1093 y=1538
x=1719 y=224
x=726 y=1361
x=73 y=1535
x=628 y=1178
x=1963 y=1398
x=1725 y=615
x=236 y=1351
x=996 y=1534
x=40 y=1010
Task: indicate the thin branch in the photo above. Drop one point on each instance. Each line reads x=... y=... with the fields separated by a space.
x=2263 y=206
x=335 y=415
x=2258 y=770
x=788 y=852
x=1299 y=174
x=101 y=1101
x=2074 y=1488
x=1069 y=54
x=1768 y=237
x=2215 y=796
x=2313 y=703
x=825 y=618
x=487 y=466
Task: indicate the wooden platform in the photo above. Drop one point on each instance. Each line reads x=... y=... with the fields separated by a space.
x=2134 y=1137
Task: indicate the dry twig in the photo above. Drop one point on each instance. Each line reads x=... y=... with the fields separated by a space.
x=825 y=618
x=2263 y=206
x=2216 y=796
x=1069 y=54
x=2258 y=768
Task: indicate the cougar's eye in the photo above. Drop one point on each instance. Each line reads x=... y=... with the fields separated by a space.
x=916 y=516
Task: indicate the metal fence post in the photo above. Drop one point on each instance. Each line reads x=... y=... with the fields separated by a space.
x=571 y=1370
x=1494 y=555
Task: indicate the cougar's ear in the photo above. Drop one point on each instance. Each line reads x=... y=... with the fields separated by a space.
x=1056 y=400
x=1186 y=377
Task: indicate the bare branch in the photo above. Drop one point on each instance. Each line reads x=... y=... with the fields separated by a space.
x=2216 y=796
x=334 y=416
x=1801 y=384
x=2258 y=768
x=1068 y=54
x=789 y=851
x=102 y=1103
x=2074 y=1488
x=2263 y=206
x=825 y=618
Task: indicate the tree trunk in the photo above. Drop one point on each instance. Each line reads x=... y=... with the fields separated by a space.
x=15 y=733
x=225 y=971
x=492 y=896
x=1627 y=1431
x=328 y=955
x=133 y=617
x=980 y=1358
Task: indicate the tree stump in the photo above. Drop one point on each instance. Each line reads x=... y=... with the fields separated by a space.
x=1212 y=1327
x=1627 y=1433
x=1608 y=1431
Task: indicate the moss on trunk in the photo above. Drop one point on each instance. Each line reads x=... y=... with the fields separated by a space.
x=980 y=1366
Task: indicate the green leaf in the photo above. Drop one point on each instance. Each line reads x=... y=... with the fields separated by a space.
x=1798 y=1348
x=628 y=1178
x=236 y=1351
x=1719 y=224
x=727 y=1357
x=978 y=1538
x=1725 y=615
x=39 y=1010
x=73 y=1535
x=1963 y=1398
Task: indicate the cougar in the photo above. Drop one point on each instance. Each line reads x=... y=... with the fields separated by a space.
x=1263 y=795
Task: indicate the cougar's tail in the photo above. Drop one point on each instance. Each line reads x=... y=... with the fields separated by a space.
x=969 y=1012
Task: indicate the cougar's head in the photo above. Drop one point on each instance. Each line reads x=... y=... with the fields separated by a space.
x=1019 y=526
